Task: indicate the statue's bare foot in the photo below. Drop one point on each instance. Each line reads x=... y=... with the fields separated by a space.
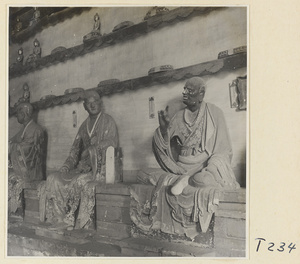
x=180 y=185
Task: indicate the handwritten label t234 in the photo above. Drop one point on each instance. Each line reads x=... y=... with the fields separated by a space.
x=280 y=247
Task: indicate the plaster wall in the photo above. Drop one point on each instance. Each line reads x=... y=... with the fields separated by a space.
x=189 y=42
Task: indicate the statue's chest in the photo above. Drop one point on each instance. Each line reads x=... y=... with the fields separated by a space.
x=90 y=139
x=191 y=135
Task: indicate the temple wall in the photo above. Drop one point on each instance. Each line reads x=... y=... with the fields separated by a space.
x=189 y=42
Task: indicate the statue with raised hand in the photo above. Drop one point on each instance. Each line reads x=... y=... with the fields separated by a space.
x=164 y=121
x=194 y=151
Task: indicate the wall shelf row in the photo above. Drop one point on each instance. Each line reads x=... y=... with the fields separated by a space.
x=153 y=23
x=229 y=63
x=49 y=16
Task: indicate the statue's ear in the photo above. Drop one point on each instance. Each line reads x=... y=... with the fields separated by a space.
x=202 y=94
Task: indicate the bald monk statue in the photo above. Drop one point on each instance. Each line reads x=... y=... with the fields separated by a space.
x=74 y=184
x=194 y=151
x=26 y=156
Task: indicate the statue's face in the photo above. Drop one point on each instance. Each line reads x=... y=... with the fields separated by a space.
x=192 y=96
x=92 y=105
x=20 y=116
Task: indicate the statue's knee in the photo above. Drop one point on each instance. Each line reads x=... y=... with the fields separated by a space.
x=203 y=179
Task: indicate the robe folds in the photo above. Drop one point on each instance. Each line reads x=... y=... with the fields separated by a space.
x=64 y=193
x=26 y=150
x=199 y=148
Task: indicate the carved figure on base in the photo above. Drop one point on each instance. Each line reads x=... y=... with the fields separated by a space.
x=36 y=52
x=194 y=151
x=19 y=60
x=26 y=95
x=73 y=186
x=20 y=56
x=95 y=33
x=26 y=156
x=35 y=17
x=18 y=27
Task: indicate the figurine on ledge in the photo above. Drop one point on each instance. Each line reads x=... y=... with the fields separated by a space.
x=73 y=186
x=36 y=52
x=25 y=156
x=18 y=26
x=26 y=96
x=194 y=151
x=19 y=60
x=20 y=56
x=36 y=16
x=95 y=33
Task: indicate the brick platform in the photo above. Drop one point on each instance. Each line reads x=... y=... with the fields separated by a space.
x=230 y=225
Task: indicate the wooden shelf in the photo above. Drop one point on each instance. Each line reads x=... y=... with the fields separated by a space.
x=153 y=23
x=206 y=68
x=49 y=16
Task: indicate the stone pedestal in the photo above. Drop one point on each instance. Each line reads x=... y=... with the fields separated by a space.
x=114 y=234
x=112 y=211
x=230 y=225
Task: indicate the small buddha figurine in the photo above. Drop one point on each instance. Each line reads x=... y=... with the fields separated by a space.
x=19 y=25
x=26 y=94
x=96 y=29
x=37 y=49
x=97 y=24
x=19 y=60
x=20 y=56
x=36 y=16
x=36 y=52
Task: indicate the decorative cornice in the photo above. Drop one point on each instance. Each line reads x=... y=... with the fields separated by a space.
x=206 y=68
x=153 y=23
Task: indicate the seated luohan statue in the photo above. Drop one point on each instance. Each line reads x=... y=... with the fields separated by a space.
x=26 y=155
x=73 y=186
x=194 y=151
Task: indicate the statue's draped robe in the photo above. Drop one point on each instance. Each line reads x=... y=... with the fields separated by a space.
x=203 y=146
x=27 y=157
x=63 y=193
